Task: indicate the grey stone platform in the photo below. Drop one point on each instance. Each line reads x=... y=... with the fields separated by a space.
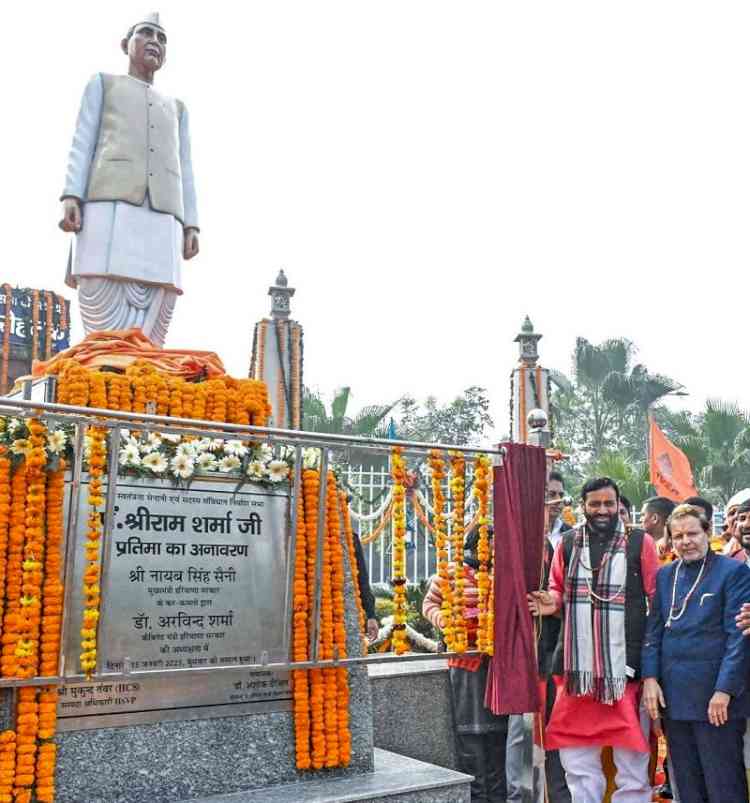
x=396 y=779
x=412 y=710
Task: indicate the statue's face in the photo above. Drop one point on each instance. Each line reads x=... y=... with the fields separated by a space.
x=147 y=47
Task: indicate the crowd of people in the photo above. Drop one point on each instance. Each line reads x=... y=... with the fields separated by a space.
x=643 y=638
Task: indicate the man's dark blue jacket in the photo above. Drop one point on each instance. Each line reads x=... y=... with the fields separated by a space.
x=703 y=651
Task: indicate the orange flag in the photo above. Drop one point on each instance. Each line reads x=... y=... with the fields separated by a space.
x=671 y=474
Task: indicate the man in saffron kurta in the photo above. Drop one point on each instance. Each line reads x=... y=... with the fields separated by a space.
x=600 y=581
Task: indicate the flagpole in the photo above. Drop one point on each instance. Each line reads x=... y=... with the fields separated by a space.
x=649 y=443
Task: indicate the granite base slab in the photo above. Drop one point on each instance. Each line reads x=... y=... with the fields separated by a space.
x=171 y=761
x=395 y=778
x=412 y=710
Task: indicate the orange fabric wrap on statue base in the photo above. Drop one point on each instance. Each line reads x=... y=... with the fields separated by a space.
x=121 y=348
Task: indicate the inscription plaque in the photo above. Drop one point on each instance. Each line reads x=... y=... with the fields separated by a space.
x=195 y=579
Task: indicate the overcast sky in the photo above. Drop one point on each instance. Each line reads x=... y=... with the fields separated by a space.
x=427 y=173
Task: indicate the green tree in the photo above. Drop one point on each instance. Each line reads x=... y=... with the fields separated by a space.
x=369 y=422
x=603 y=408
x=631 y=476
x=463 y=421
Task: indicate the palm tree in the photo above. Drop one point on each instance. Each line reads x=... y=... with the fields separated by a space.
x=611 y=397
x=369 y=422
x=631 y=476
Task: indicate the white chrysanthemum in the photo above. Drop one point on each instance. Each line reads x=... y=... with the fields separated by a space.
x=278 y=470
x=171 y=438
x=310 y=458
x=236 y=448
x=56 y=440
x=130 y=455
x=156 y=462
x=182 y=466
x=265 y=453
x=20 y=446
x=152 y=442
x=229 y=463
x=203 y=445
x=215 y=444
x=186 y=449
x=206 y=461
x=255 y=469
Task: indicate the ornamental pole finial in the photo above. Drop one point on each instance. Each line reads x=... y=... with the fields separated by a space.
x=528 y=342
x=280 y=294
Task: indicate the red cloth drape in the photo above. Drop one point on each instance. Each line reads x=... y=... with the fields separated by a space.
x=518 y=546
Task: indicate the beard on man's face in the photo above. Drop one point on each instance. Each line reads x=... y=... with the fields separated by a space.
x=744 y=533
x=602 y=523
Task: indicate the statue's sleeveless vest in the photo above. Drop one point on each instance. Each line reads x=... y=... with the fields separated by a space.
x=138 y=149
x=636 y=608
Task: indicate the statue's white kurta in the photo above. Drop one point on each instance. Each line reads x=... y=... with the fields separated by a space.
x=131 y=168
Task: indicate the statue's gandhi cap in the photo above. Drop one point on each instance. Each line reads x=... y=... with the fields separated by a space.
x=150 y=19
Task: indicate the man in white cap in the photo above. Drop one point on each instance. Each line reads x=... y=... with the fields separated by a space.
x=129 y=194
x=733 y=544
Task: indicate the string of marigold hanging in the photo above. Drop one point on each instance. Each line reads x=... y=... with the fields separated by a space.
x=458 y=489
x=398 y=556
x=482 y=468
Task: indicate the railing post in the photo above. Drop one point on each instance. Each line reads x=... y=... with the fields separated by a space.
x=291 y=557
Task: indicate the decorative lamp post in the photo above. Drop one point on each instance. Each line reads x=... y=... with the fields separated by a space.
x=280 y=294
x=277 y=357
x=529 y=386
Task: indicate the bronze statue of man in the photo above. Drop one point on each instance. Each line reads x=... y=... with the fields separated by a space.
x=130 y=194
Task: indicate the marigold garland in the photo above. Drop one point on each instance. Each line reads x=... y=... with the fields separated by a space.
x=5 y=500
x=7 y=326
x=91 y=591
x=482 y=468
x=457 y=487
x=280 y=381
x=295 y=366
x=31 y=534
x=63 y=315
x=321 y=696
x=436 y=461
x=223 y=399
x=30 y=612
x=300 y=638
x=27 y=725
x=398 y=571
x=48 y=323
x=310 y=488
x=378 y=531
x=327 y=640
x=52 y=593
x=339 y=681
x=14 y=573
x=34 y=325
x=7 y=765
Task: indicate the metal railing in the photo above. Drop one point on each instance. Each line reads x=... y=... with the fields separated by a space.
x=370 y=496
x=114 y=422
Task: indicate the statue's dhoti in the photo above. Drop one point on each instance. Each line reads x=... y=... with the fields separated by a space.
x=108 y=304
x=126 y=266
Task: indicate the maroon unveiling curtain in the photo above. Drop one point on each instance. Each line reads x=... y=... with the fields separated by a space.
x=519 y=488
